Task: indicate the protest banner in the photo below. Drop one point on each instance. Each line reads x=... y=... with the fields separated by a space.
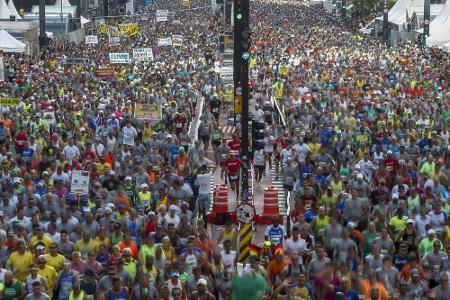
x=177 y=40
x=165 y=42
x=147 y=111
x=103 y=28
x=119 y=58
x=6 y=101
x=74 y=61
x=283 y=70
x=130 y=29
x=162 y=15
x=91 y=39
x=105 y=73
x=80 y=182
x=114 y=40
x=142 y=54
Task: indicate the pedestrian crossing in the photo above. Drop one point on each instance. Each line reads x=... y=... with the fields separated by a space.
x=281 y=194
x=227 y=129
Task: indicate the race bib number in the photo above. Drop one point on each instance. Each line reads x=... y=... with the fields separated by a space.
x=289 y=180
x=234 y=177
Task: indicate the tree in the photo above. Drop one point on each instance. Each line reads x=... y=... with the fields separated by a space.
x=369 y=8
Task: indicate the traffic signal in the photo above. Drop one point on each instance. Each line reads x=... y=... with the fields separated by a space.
x=250 y=85
x=258 y=135
x=246 y=39
x=238 y=15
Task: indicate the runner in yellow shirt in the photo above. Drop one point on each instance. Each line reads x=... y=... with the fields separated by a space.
x=55 y=259
x=20 y=262
x=49 y=273
x=39 y=237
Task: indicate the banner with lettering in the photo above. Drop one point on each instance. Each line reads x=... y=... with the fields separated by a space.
x=6 y=101
x=162 y=15
x=114 y=40
x=91 y=39
x=105 y=73
x=165 y=42
x=80 y=182
x=148 y=111
x=119 y=58
x=130 y=29
x=143 y=54
x=177 y=40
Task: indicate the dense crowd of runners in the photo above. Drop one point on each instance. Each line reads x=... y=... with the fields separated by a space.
x=363 y=153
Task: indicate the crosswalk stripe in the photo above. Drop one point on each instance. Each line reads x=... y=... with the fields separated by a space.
x=227 y=129
x=281 y=194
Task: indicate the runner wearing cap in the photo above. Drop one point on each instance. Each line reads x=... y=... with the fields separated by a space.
x=232 y=167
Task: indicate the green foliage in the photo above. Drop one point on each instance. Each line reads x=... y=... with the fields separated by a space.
x=369 y=8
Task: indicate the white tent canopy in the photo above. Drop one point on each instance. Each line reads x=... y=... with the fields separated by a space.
x=4 y=10
x=440 y=29
x=62 y=3
x=443 y=19
x=13 y=10
x=397 y=13
x=9 y=44
x=83 y=21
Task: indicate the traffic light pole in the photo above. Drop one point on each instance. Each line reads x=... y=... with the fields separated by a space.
x=426 y=23
x=386 y=23
x=244 y=57
x=237 y=60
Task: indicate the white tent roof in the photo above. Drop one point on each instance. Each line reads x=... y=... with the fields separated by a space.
x=440 y=28
x=13 y=10
x=439 y=36
x=9 y=44
x=4 y=10
x=83 y=21
x=442 y=19
x=397 y=14
x=64 y=3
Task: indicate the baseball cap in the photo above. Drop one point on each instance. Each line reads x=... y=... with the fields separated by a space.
x=173 y=207
x=415 y=273
x=202 y=281
x=174 y=274
x=128 y=178
x=431 y=231
x=410 y=221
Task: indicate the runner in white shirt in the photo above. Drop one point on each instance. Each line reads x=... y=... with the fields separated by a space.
x=129 y=134
x=302 y=149
x=204 y=196
x=295 y=245
x=71 y=151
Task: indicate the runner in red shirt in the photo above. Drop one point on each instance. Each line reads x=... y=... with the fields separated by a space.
x=232 y=167
x=235 y=144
